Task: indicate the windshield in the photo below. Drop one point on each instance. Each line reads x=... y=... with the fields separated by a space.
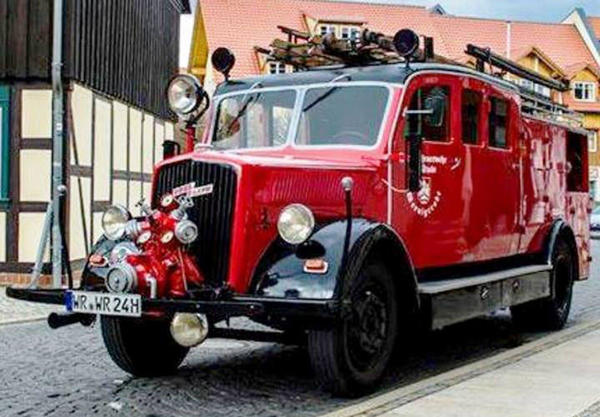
x=331 y=115
x=254 y=120
x=342 y=116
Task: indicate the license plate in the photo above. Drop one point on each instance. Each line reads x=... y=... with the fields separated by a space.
x=128 y=305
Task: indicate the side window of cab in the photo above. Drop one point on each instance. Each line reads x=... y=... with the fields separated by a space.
x=434 y=129
x=471 y=116
x=498 y=122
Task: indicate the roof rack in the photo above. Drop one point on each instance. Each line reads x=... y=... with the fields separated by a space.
x=304 y=51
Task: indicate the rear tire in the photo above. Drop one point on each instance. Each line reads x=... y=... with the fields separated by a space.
x=351 y=358
x=142 y=347
x=551 y=313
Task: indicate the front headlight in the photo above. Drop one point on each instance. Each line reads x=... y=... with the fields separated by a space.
x=296 y=223
x=184 y=94
x=114 y=220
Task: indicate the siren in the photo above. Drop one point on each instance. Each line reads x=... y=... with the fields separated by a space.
x=406 y=43
x=223 y=61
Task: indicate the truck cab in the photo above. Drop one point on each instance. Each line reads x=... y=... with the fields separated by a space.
x=339 y=206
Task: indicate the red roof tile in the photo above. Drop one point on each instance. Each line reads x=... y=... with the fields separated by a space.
x=243 y=24
x=595 y=23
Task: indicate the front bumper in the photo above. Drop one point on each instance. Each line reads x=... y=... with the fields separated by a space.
x=253 y=307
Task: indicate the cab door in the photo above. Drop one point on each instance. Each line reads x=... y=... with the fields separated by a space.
x=499 y=177
x=430 y=220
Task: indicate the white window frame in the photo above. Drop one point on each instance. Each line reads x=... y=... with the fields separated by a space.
x=326 y=28
x=593 y=142
x=276 y=67
x=586 y=87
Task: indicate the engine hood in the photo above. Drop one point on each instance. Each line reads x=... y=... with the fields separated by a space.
x=268 y=181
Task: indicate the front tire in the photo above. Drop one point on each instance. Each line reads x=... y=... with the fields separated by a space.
x=351 y=358
x=142 y=347
x=551 y=313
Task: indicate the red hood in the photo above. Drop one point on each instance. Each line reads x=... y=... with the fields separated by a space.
x=269 y=180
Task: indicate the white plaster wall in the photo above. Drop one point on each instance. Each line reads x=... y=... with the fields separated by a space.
x=135 y=140
x=102 y=151
x=148 y=146
x=30 y=225
x=120 y=136
x=76 y=236
x=35 y=175
x=36 y=114
x=2 y=237
x=81 y=106
x=135 y=194
x=120 y=192
x=159 y=138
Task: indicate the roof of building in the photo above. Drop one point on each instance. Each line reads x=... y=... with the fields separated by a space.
x=595 y=24
x=255 y=24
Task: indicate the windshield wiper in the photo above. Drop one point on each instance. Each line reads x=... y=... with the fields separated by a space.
x=326 y=93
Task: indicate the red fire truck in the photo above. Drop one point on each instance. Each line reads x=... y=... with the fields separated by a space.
x=339 y=205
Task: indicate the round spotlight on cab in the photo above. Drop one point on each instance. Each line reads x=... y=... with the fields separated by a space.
x=223 y=61
x=296 y=223
x=406 y=42
x=184 y=94
x=114 y=221
x=189 y=329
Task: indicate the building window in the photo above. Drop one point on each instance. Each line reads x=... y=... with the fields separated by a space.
x=350 y=32
x=593 y=142
x=471 y=108
x=498 y=123
x=584 y=91
x=326 y=29
x=276 y=68
x=4 y=140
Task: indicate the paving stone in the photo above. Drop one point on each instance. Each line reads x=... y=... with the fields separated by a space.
x=68 y=372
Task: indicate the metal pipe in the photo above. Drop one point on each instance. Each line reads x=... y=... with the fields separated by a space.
x=39 y=258
x=57 y=141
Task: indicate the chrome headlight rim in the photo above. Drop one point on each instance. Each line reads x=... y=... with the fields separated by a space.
x=115 y=228
x=296 y=223
x=187 y=86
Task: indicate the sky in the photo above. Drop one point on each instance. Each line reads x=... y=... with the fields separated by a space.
x=538 y=10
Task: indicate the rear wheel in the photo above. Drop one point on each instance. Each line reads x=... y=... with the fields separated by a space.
x=352 y=357
x=551 y=313
x=142 y=347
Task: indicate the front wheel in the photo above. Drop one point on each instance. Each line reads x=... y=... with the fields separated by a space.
x=142 y=347
x=551 y=313
x=352 y=357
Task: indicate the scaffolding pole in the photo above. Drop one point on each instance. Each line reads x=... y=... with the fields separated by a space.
x=57 y=142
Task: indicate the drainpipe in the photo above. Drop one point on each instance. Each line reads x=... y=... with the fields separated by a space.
x=57 y=142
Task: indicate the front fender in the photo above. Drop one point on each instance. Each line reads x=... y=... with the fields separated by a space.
x=281 y=271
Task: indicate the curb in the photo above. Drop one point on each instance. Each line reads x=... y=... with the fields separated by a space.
x=383 y=403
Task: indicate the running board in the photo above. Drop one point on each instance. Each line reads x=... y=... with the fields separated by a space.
x=455 y=300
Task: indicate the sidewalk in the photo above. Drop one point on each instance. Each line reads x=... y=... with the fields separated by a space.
x=555 y=376
x=15 y=311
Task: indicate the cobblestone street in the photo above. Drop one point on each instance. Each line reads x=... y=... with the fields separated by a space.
x=68 y=372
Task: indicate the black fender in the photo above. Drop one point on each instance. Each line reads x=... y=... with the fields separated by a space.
x=281 y=270
x=561 y=230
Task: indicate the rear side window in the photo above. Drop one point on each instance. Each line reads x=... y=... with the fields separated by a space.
x=471 y=108
x=420 y=124
x=498 y=123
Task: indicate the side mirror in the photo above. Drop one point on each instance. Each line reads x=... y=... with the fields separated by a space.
x=170 y=149
x=435 y=105
x=413 y=172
